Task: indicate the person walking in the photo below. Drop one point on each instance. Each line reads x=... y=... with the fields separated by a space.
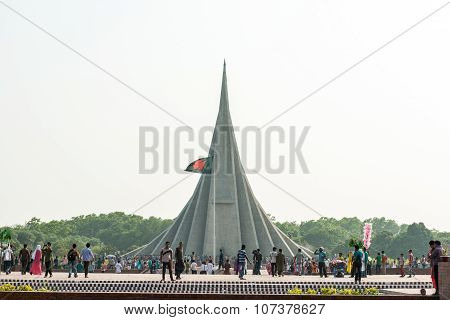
x=363 y=264
x=87 y=256
x=72 y=258
x=430 y=251
x=378 y=264
x=221 y=258
x=401 y=262
x=369 y=265
x=435 y=259
x=210 y=267
x=227 y=267
x=166 y=257
x=24 y=258
x=47 y=259
x=179 y=264
x=273 y=261
x=241 y=260
x=350 y=264
x=8 y=258
x=280 y=262
x=411 y=263
x=257 y=260
x=299 y=257
x=357 y=262
x=193 y=267
x=366 y=262
x=322 y=256
x=36 y=268
x=384 y=262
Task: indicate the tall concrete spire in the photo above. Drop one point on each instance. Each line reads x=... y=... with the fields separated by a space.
x=223 y=212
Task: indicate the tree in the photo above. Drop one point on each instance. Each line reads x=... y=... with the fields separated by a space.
x=117 y=231
x=415 y=237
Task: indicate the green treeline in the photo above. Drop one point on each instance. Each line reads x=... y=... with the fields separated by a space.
x=107 y=233
x=387 y=235
x=120 y=232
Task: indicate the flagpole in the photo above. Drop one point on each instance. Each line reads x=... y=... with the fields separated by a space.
x=214 y=208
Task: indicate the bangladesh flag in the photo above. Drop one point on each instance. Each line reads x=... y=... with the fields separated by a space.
x=202 y=165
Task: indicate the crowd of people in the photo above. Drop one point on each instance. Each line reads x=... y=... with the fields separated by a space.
x=42 y=259
x=357 y=264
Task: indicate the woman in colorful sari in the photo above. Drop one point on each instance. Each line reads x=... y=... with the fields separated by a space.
x=269 y=268
x=139 y=264
x=36 y=266
x=151 y=265
x=349 y=262
x=105 y=265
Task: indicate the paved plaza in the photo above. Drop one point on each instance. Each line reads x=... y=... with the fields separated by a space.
x=213 y=284
x=216 y=278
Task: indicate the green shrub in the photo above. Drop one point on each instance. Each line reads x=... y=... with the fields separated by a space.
x=24 y=288
x=371 y=292
x=311 y=291
x=328 y=291
x=295 y=291
x=7 y=287
x=333 y=291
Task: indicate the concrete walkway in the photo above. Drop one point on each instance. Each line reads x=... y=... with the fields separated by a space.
x=214 y=278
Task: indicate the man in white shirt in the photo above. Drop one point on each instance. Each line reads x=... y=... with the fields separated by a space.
x=8 y=259
x=299 y=257
x=209 y=267
x=166 y=257
x=119 y=267
x=273 y=261
x=194 y=267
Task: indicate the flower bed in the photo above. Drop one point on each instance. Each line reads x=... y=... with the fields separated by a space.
x=334 y=291
x=7 y=287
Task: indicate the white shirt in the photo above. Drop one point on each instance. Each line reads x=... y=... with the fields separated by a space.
x=167 y=256
x=194 y=266
x=7 y=254
x=209 y=268
x=118 y=267
x=273 y=257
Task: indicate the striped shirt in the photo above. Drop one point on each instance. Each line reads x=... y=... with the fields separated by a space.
x=241 y=256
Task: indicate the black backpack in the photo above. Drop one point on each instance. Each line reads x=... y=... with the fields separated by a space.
x=72 y=255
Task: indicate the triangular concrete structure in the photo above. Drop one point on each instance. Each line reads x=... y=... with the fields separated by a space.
x=223 y=212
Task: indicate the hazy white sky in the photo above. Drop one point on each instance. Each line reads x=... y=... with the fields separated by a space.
x=379 y=138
